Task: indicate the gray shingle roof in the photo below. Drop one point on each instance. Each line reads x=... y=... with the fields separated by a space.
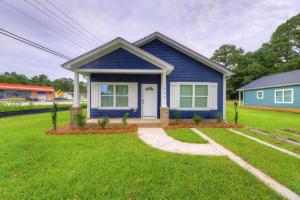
x=286 y=78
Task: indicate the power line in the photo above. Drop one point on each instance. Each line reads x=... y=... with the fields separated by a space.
x=50 y=16
x=42 y=24
x=70 y=18
x=33 y=44
x=65 y=21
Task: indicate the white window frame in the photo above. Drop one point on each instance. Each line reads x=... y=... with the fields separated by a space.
x=114 y=107
x=194 y=95
x=262 y=95
x=283 y=92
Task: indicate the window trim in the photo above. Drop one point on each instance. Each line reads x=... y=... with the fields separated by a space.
x=114 y=107
x=193 y=108
x=262 y=96
x=283 y=93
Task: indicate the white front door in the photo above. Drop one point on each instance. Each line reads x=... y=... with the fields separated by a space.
x=149 y=101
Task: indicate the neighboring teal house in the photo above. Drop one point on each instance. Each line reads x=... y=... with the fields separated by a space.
x=277 y=90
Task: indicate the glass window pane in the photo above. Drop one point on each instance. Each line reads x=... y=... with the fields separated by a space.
x=186 y=90
x=122 y=101
x=287 y=93
x=107 y=101
x=279 y=93
x=200 y=102
x=279 y=98
x=287 y=99
x=186 y=102
x=201 y=90
x=107 y=89
x=122 y=89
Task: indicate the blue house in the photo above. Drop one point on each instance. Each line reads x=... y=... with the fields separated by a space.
x=277 y=90
x=151 y=78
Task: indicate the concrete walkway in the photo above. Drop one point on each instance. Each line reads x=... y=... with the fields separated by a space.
x=157 y=138
x=266 y=143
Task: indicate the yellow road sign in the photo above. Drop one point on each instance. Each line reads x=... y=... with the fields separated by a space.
x=59 y=93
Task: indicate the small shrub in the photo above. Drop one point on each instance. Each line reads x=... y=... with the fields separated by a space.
x=124 y=120
x=177 y=117
x=103 y=121
x=80 y=120
x=197 y=119
x=54 y=115
x=236 y=114
x=219 y=117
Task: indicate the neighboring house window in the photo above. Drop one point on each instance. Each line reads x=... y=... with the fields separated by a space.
x=193 y=96
x=284 y=96
x=260 y=94
x=114 y=95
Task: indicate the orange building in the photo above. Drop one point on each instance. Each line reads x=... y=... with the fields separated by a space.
x=33 y=92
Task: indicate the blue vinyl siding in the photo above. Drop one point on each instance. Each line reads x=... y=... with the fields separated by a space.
x=140 y=79
x=269 y=95
x=119 y=59
x=186 y=69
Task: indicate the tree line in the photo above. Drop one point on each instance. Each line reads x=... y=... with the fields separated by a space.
x=64 y=84
x=280 y=54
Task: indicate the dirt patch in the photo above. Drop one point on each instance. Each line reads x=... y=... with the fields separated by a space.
x=276 y=109
x=91 y=129
x=212 y=124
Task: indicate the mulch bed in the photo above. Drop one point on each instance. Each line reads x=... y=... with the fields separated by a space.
x=276 y=109
x=90 y=129
x=173 y=126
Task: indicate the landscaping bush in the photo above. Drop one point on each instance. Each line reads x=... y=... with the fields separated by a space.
x=219 y=117
x=177 y=117
x=124 y=120
x=197 y=119
x=236 y=114
x=80 y=120
x=102 y=122
x=54 y=115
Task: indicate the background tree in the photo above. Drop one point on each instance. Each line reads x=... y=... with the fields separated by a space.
x=41 y=79
x=228 y=55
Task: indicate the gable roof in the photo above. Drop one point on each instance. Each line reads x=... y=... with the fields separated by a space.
x=183 y=49
x=280 y=79
x=111 y=46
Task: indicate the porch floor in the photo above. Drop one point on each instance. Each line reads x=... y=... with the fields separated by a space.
x=131 y=121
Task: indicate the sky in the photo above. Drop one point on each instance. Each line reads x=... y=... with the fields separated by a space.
x=202 y=25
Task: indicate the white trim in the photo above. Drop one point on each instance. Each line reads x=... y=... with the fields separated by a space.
x=111 y=46
x=141 y=100
x=76 y=103
x=285 y=85
x=88 y=96
x=262 y=96
x=124 y=71
x=283 y=91
x=183 y=49
x=224 y=97
x=163 y=90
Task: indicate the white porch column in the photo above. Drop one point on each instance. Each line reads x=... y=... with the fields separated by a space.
x=76 y=103
x=239 y=98
x=88 y=96
x=163 y=89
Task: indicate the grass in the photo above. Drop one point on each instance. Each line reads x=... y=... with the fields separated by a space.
x=272 y=140
x=269 y=121
x=186 y=135
x=117 y=166
x=280 y=166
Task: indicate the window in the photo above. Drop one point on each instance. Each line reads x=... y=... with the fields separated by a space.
x=284 y=96
x=193 y=96
x=114 y=95
x=260 y=94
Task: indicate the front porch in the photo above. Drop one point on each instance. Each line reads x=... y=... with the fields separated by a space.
x=131 y=121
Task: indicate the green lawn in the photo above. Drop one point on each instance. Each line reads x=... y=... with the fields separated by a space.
x=280 y=166
x=272 y=140
x=186 y=135
x=266 y=120
x=118 y=166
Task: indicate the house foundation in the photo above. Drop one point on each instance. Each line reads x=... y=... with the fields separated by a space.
x=164 y=117
x=73 y=112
